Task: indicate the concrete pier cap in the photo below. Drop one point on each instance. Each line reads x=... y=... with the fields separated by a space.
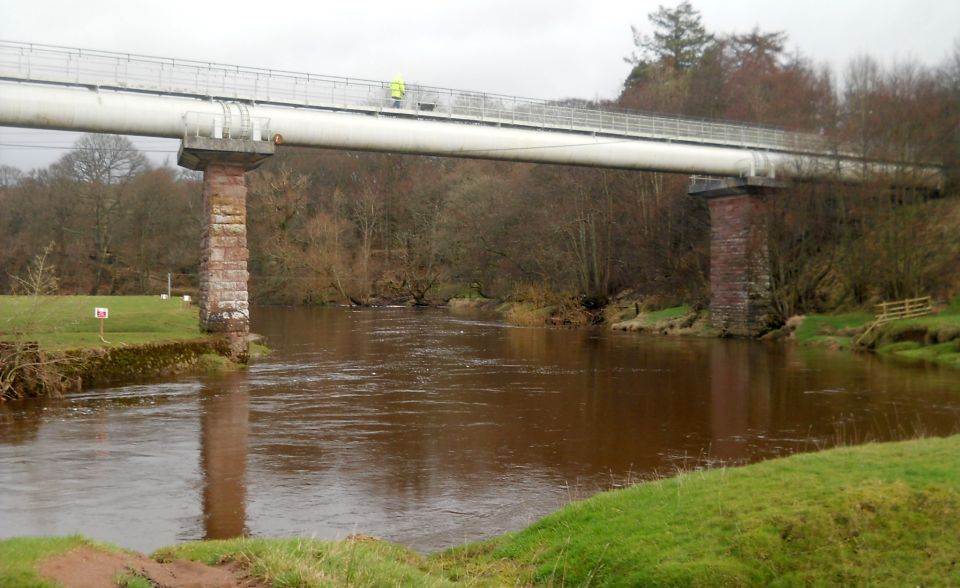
x=739 y=272
x=197 y=153
x=224 y=300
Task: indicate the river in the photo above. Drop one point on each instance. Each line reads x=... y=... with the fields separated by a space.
x=430 y=428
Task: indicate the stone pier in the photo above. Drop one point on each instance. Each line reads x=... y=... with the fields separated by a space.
x=739 y=274
x=224 y=303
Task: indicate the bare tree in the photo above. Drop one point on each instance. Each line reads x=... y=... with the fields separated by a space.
x=366 y=211
x=24 y=367
x=9 y=176
x=101 y=167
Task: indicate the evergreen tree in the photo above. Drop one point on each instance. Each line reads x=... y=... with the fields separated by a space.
x=678 y=42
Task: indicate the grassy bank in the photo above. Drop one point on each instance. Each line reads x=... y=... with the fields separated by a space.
x=52 y=344
x=674 y=320
x=832 y=330
x=933 y=338
x=67 y=322
x=880 y=514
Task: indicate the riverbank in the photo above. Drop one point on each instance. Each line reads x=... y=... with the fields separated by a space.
x=674 y=320
x=52 y=344
x=878 y=514
x=934 y=338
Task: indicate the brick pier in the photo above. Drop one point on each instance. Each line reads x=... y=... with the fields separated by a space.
x=739 y=275
x=224 y=303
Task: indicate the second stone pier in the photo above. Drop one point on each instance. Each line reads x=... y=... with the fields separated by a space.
x=739 y=276
x=223 y=300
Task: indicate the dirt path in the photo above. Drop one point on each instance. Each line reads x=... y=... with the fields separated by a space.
x=86 y=567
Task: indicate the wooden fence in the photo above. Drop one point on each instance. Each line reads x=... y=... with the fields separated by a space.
x=901 y=309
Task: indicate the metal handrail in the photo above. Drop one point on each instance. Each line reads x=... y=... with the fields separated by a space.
x=160 y=75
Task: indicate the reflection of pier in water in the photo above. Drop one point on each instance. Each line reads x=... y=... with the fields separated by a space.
x=739 y=398
x=223 y=440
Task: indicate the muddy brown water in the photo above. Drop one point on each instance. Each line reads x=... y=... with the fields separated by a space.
x=430 y=428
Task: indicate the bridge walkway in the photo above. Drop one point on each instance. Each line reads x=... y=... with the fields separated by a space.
x=161 y=76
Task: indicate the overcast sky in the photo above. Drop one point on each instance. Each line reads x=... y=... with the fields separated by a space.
x=538 y=49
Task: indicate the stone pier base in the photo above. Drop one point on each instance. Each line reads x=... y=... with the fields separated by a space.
x=739 y=274
x=224 y=302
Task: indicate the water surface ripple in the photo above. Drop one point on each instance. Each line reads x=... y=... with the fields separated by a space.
x=431 y=429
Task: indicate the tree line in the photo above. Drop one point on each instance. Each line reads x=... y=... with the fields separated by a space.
x=349 y=227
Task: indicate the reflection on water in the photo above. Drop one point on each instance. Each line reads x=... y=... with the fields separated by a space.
x=431 y=429
x=740 y=398
x=223 y=448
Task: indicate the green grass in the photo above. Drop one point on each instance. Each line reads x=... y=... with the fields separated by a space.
x=874 y=515
x=259 y=350
x=309 y=562
x=941 y=332
x=943 y=319
x=954 y=307
x=67 y=322
x=656 y=316
x=821 y=329
x=130 y=580
x=213 y=364
x=20 y=556
x=944 y=353
x=884 y=515
x=656 y=319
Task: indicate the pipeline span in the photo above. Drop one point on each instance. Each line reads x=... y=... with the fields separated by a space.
x=136 y=113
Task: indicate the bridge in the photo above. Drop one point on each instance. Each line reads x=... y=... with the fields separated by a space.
x=230 y=118
x=97 y=91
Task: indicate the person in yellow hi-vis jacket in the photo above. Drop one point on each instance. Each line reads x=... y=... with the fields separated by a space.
x=397 y=90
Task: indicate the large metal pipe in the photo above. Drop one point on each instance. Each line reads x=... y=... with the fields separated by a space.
x=130 y=113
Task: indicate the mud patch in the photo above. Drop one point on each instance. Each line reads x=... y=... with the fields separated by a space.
x=86 y=567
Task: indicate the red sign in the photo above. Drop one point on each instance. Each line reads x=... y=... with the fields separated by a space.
x=101 y=313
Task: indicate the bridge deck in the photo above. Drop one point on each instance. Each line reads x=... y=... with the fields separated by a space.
x=164 y=76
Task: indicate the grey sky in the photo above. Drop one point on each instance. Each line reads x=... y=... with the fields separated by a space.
x=541 y=49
